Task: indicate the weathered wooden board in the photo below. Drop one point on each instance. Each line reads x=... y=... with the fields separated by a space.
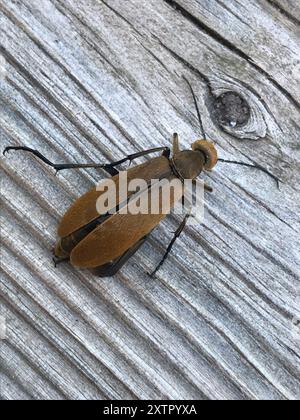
x=95 y=80
x=289 y=8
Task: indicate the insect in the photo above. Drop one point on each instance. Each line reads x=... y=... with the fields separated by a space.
x=105 y=242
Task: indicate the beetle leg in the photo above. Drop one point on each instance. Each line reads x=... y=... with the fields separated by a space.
x=111 y=171
x=207 y=187
x=166 y=152
x=255 y=166
x=109 y=167
x=57 y=261
x=169 y=249
x=109 y=270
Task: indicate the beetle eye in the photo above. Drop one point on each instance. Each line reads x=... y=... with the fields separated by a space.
x=209 y=151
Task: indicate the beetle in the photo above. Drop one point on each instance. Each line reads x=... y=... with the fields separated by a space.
x=104 y=242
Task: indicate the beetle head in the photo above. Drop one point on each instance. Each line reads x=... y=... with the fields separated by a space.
x=209 y=151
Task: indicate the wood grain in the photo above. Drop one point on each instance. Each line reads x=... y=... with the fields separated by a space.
x=94 y=81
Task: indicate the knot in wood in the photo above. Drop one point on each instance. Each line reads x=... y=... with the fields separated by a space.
x=231 y=110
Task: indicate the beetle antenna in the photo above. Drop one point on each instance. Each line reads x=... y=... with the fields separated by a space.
x=256 y=166
x=197 y=108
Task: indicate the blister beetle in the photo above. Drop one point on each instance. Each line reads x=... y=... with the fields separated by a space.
x=105 y=242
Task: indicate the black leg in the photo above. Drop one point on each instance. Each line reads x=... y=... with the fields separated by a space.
x=58 y=261
x=111 y=171
x=111 y=269
x=207 y=187
x=255 y=166
x=109 y=167
x=169 y=249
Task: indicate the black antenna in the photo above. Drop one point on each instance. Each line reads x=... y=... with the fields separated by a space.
x=255 y=166
x=197 y=107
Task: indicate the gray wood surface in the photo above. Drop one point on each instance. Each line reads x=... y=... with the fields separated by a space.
x=98 y=79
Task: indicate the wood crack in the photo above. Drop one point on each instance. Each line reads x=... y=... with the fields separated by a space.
x=284 y=12
x=216 y=36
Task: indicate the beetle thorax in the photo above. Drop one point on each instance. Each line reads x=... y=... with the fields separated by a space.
x=188 y=164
